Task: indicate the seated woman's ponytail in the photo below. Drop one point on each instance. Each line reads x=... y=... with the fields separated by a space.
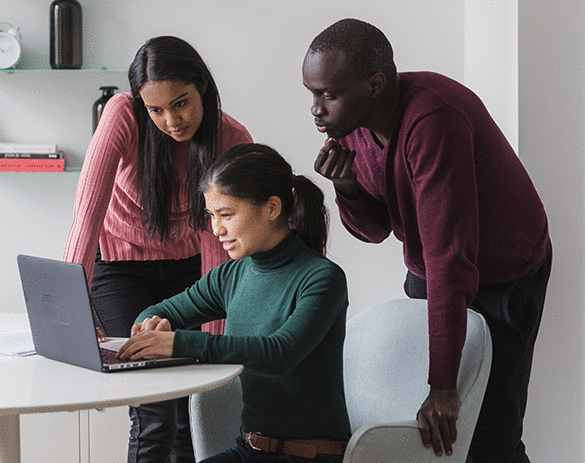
x=255 y=172
x=309 y=216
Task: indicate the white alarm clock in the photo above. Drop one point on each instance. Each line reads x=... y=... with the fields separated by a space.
x=10 y=50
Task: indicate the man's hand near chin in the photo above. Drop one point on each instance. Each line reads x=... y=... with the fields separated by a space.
x=335 y=162
x=437 y=420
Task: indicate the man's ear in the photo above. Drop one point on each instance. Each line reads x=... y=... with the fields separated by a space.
x=377 y=84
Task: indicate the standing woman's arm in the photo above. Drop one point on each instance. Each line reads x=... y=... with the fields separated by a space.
x=116 y=134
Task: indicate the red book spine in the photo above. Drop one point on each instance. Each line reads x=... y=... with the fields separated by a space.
x=32 y=165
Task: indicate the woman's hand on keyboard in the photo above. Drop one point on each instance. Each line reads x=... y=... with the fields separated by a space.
x=151 y=324
x=147 y=344
x=152 y=337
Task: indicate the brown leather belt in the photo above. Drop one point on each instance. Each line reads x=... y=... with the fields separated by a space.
x=294 y=447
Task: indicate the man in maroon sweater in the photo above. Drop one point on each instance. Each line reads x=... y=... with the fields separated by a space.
x=417 y=154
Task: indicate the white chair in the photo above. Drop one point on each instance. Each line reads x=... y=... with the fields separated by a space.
x=215 y=418
x=386 y=369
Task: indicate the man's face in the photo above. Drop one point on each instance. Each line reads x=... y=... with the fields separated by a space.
x=341 y=101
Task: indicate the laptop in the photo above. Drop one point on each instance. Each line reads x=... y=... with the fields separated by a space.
x=62 y=322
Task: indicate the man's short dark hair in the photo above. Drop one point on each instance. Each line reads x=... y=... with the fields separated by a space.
x=365 y=45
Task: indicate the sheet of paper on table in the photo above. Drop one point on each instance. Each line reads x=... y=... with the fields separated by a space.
x=16 y=343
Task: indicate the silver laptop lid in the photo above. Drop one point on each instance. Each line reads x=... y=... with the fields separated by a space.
x=59 y=311
x=61 y=316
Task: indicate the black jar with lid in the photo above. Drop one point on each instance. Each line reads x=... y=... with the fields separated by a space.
x=98 y=106
x=65 y=34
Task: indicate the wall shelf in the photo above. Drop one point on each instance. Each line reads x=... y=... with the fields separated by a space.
x=49 y=106
x=73 y=170
x=64 y=71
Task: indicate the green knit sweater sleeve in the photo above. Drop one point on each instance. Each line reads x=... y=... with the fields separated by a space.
x=196 y=305
x=317 y=303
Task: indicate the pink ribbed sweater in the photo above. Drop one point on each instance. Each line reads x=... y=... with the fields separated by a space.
x=107 y=203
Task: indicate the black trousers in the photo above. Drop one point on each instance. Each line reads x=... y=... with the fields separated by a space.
x=513 y=312
x=160 y=432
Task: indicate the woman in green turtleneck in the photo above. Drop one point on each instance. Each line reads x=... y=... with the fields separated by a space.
x=284 y=304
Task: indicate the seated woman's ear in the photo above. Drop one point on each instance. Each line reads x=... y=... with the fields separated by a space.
x=274 y=205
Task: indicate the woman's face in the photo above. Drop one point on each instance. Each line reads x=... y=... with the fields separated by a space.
x=174 y=106
x=244 y=228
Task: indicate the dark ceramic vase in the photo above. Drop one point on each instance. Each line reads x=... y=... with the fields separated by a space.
x=98 y=106
x=65 y=35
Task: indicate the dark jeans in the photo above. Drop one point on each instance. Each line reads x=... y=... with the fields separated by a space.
x=243 y=453
x=513 y=312
x=160 y=432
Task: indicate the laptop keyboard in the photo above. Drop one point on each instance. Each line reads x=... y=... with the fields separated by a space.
x=109 y=356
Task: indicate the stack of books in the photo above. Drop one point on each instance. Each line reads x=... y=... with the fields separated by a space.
x=23 y=157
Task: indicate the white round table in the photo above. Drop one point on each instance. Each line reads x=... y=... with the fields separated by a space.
x=35 y=384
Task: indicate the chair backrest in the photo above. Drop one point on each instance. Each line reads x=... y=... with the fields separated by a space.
x=386 y=369
x=215 y=418
x=386 y=358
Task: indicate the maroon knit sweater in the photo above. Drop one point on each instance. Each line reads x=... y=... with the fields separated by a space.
x=451 y=188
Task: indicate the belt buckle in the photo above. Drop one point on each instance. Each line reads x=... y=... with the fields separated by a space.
x=249 y=439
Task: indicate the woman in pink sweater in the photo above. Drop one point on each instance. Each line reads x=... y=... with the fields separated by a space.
x=138 y=200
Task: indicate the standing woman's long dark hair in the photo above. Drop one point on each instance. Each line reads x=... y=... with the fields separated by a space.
x=170 y=58
x=255 y=172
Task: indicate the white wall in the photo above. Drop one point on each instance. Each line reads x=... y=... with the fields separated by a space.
x=255 y=50
x=491 y=59
x=552 y=116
